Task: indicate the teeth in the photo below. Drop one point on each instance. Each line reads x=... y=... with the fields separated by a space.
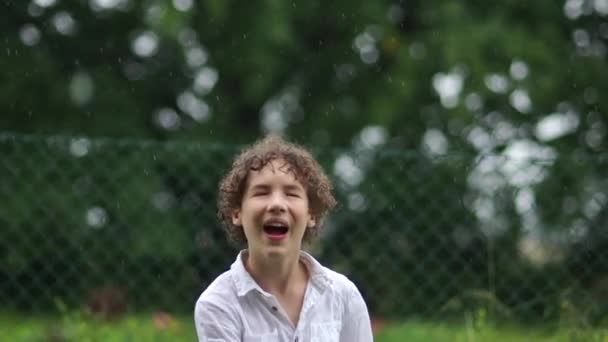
x=280 y=225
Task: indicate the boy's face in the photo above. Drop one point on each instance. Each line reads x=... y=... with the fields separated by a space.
x=274 y=211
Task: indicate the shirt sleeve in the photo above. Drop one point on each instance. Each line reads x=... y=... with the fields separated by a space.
x=215 y=323
x=356 y=324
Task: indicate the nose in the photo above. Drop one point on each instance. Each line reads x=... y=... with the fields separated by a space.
x=277 y=204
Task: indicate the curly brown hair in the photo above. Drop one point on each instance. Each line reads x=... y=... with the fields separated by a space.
x=298 y=160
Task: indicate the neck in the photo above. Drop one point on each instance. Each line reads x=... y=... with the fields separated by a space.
x=278 y=276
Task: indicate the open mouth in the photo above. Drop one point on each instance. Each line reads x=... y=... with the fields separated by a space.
x=275 y=230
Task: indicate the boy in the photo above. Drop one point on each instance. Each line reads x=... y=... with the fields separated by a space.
x=274 y=198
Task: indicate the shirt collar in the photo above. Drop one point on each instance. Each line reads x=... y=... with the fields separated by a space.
x=245 y=283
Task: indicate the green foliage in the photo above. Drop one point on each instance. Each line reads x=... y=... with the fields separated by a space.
x=72 y=326
x=476 y=329
x=362 y=76
x=75 y=326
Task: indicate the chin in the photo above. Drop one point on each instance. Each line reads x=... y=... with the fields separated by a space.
x=276 y=251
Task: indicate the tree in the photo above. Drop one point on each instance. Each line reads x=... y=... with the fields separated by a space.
x=500 y=102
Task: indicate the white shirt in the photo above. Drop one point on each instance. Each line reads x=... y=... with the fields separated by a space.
x=234 y=308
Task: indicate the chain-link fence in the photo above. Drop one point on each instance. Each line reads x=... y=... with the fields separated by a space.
x=123 y=225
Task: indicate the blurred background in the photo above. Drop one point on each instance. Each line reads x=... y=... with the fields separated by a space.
x=466 y=141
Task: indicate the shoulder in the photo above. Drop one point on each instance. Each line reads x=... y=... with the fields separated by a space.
x=219 y=296
x=216 y=313
x=352 y=303
x=341 y=284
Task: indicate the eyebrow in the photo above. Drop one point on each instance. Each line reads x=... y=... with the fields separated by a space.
x=294 y=187
x=260 y=187
x=265 y=187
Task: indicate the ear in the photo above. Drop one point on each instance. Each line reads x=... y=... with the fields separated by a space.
x=236 y=218
x=311 y=221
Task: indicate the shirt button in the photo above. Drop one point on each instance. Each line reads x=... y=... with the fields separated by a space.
x=274 y=308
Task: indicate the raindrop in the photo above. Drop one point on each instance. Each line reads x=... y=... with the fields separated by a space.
x=29 y=34
x=417 y=50
x=604 y=30
x=448 y=87
x=564 y=107
x=196 y=57
x=34 y=10
x=497 y=83
x=375 y=31
x=601 y=6
x=64 y=23
x=168 y=119
x=504 y=131
x=205 y=80
x=524 y=200
x=96 y=217
x=473 y=102
x=373 y=136
x=556 y=125
x=370 y=56
x=581 y=38
x=192 y=106
x=101 y=5
x=395 y=13
x=594 y=138
x=163 y=200
x=145 y=44
x=594 y=205
x=598 y=49
x=573 y=8
x=80 y=147
x=182 y=5
x=365 y=44
x=520 y=100
x=363 y=40
x=345 y=72
x=434 y=142
x=356 y=202
x=579 y=230
x=590 y=95
x=81 y=88
x=479 y=138
x=569 y=205
x=155 y=13
x=187 y=37
x=45 y=3
x=273 y=119
x=518 y=70
x=346 y=168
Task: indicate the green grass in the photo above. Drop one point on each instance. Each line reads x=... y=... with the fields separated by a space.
x=75 y=327
x=427 y=331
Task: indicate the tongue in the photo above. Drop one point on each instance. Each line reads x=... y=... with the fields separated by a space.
x=274 y=230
